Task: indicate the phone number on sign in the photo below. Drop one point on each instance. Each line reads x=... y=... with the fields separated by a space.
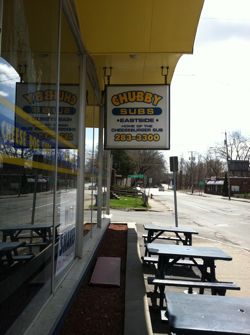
x=138 y=137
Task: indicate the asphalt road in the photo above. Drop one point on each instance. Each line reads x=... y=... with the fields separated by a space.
x=215 y=217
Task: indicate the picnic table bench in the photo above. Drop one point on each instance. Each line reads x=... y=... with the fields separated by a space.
x=181 y=262
x=9 y=254
x=217 y=287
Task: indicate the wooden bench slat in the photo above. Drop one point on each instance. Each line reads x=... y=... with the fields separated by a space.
x=37 y=244
x=21 y=258
x=219 y=288
x=188 y=262
x=191 y=283
x=150 y=259
x=161 y=237
x=183 y=262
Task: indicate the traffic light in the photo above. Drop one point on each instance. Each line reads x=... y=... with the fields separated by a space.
x=173 y=163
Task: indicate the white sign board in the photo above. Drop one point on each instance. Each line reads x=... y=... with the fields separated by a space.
x=137 y=117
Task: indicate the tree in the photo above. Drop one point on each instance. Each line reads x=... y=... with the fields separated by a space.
x=150 y=163
x=181 y=177
x=123 y=163
x=192 y=172
x=213 y=164
x=235 y=147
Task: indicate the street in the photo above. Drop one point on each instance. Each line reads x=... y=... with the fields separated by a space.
x=215 y=217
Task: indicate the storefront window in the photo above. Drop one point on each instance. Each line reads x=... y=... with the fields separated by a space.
x=68 y=154
x=39 y=156
x=28 y=156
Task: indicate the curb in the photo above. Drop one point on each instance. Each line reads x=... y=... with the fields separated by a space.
x=137 y=319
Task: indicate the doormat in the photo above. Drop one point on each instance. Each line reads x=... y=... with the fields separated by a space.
x=107 y=271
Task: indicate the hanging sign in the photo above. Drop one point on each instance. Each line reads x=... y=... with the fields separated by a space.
x=137 y=117
x=38 y=103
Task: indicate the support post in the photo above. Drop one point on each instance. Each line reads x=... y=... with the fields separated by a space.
x=109 y=172
x=228 y=169
x=100 y=169
x=174 y=169
x=81 y=155
x=175 y=199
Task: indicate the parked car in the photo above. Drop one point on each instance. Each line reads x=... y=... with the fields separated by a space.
x=161 y=188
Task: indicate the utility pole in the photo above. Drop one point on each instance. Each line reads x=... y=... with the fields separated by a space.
x=174 y=169
x=228 y=167
x=192 y=158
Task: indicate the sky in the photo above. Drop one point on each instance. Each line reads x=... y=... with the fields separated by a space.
x=210 y=89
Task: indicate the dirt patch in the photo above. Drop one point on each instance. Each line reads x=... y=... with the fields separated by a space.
x=99 y=310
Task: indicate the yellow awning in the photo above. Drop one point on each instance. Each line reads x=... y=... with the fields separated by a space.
x=137 y=37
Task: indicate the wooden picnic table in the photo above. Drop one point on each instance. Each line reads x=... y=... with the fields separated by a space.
x=14 y=233
x=190 y=314
x=170 y=254
x=181 y=234
x=35 y=236
x=202 y=257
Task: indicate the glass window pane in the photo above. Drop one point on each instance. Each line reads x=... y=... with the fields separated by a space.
x=68 y=154
x=91 y=161
x=28 y=124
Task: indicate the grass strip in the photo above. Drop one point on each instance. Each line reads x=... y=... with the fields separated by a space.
x=127 y=202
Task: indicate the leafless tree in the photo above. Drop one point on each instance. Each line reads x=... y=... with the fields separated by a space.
x=150 y=163
x=191 y=173
x=214 y=165
x=235 y=147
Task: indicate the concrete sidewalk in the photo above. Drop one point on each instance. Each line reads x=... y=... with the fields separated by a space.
x=140 y=318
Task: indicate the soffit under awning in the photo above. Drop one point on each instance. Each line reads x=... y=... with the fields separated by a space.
x=137 y=37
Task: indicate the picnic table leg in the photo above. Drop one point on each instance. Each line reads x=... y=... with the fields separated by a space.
x=188 y=239
x=149 y=239
x=146 y=249
x=162 y=289
x=9 y=258
x=161 y=266
x=212 y=266
x=163 y=263
x=4 y=236
x=150 y=236
x=208 y=272
x=210 y=275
